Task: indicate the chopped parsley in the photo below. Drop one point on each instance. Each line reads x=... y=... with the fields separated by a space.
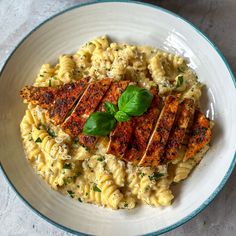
x=80 y=200
x=126 y=204
x=155 y=175
x=96 y=189
x=100 y=159
x=71 y=193
x=41 y=75
x=51 y=133
x=38 y=140
x=142 y=174
x=50 y=83
x=54 y=78
x=179 y=81
x=86 y=194
x=67 y=166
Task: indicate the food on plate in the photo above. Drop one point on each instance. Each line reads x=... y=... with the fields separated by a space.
x=115 y=124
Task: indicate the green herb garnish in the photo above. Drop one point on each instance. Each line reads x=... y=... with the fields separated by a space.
x=38 y=140
x=134 y=101
x=122 y=116
x=55 y=78
x=126 y=205
x=179 y=81
x=50 y=83
x=71 y=193
x=67 y=166
x=96 y=189
x=142 y=175
x=155 y=176
x=80 y=200
x=110 y=108
x=99 y=123
x=100 y=159
x=51 y=133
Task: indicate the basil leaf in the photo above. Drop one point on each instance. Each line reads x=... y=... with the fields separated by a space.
x=135 y=101
x=180 y=80
x=100 y=124
x=122 y=116
x=110 y=108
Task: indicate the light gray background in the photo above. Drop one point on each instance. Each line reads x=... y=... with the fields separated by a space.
x=217 y=18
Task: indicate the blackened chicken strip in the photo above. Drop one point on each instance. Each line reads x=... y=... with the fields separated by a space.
x=177 y=134
x=156 y=146
x=143 y=128
x=58 y=101
x=112 y=95
x=200 y=135
x=68 y=95
x=85 y=107
x=43 y=96
x=120 y=138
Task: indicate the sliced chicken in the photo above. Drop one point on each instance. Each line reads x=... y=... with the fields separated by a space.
x=85 y=107
x=68 y=95
x=120 y=138
x=143 y=128
x=177 y=134
x=112 y=95
x=156 y=146
x=38 y=96
x=200 y=135
x=58 y=100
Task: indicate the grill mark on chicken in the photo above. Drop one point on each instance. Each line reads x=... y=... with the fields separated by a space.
x=155 y=149
x=143 y=128
x=112 y=95
x=200 y=135
x=176 y=137
x=85 y=107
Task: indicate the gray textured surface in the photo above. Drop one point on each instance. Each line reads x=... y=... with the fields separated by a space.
x=216 y=18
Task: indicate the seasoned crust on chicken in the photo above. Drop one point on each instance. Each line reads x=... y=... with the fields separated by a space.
x=156 y=146
x=58 y=101
x=85 y=107
x=112 y=95
x=200 y=135
x=143 y=128
x=120 y=138
x=177 y=134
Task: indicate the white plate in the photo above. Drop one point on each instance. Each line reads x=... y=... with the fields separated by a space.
x=132 y=23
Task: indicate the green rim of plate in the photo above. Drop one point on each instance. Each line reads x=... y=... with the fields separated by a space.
x=232 y=165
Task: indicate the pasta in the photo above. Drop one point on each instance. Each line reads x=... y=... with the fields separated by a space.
x=94 y=176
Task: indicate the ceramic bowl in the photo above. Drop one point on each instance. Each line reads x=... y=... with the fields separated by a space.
x=134 y=23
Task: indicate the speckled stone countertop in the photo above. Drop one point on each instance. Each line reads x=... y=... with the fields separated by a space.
x=216 y=18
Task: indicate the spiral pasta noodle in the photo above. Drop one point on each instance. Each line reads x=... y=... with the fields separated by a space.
x=49 y=145
x=111 y=195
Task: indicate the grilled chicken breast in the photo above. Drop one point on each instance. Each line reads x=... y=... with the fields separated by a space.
x=143 y=128
x=156 y=146
x=58 y=101
x=112 y=95
x=120 y=138
x=85 y=107
x=177 y=134
x=200 y=135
